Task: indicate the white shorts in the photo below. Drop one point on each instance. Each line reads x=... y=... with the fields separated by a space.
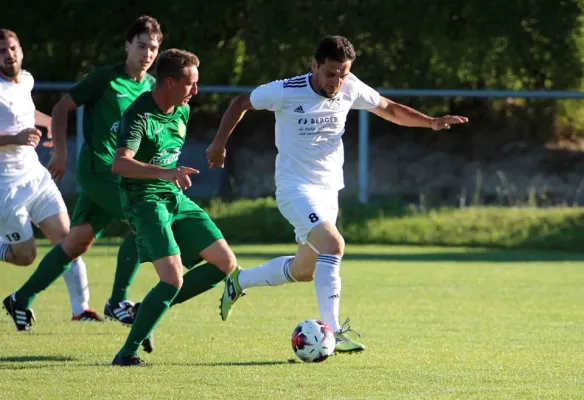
x=33 y=200
x=306 y=208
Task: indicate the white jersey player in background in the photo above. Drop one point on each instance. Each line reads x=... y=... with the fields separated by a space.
x=27 y=191
x=310 y=112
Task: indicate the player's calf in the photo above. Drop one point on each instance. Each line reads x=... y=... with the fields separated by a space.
x=78 y=241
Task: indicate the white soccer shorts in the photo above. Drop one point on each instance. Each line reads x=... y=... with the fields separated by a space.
x=306 y=208
x=33 y=200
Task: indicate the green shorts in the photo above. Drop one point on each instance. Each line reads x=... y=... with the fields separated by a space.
x=167 y=224
x=99 y=202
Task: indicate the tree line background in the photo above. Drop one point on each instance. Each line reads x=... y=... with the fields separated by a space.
x=425 y=44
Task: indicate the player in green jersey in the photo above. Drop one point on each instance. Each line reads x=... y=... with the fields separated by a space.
x=105 y=94
x=171 y=230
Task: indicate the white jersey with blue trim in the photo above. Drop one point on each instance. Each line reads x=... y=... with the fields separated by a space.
x=309 y=128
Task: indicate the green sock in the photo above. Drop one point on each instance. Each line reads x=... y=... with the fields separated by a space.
x=51 y=267
x=153 y=307
x=126 y=269
x=198 y=280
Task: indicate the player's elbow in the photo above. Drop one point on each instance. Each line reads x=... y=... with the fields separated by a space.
x=242 y=102
x=63 y=107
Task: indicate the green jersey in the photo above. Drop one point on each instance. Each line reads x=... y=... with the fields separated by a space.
x=105 y=95
x=157 y=138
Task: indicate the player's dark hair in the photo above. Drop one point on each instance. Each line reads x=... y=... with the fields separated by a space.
x=172 y=62
x=334 y=48
x=6 y=34
x=144 y=24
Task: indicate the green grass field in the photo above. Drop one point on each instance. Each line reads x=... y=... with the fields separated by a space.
x=444 y=323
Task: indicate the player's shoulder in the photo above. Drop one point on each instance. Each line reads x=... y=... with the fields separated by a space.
x=107 y=72
x=184 y=111
x=300 y=81
x=352 y=82
x=142 y=105
x=27 y=78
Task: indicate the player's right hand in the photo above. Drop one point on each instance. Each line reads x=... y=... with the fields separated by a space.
x=58 y=165
x=29 y=137
x=180 y=176
x=216 y=155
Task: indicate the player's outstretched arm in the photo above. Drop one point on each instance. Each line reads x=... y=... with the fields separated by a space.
x=60 y=117
x=406 y=116
x=125 y=165
x=234 y=113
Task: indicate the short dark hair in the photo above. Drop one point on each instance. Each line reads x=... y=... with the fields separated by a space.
x=334 y=48
x=144 y=24
x=172 y=62
x=6 y=34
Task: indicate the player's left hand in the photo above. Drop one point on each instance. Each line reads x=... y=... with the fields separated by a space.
x=216 y=155
x=447 y=121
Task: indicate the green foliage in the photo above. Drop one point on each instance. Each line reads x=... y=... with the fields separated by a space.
x=526 y=44
x=259 y=221
x=499 y=44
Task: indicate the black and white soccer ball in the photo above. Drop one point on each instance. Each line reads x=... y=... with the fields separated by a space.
x=313 y=341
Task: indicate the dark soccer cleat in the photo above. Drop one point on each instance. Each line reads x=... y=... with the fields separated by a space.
x=131 y=361
x=21 y=316
x=148 y=343
x=88 y=315
x=122 y=312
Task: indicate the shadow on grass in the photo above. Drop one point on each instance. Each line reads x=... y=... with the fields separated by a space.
x=494 y=256
x=232 y=364
x=22 y=359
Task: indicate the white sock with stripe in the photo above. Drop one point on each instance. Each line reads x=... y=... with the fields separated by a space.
x=4 y=251
x=327 y=284
x=273 y=273
x=78 y=286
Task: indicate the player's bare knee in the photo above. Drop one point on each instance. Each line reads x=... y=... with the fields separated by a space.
x=227 y=263
x=304 y=276
x=25 y=257
x=302 y=272
x=175 y=280
x=335 y=244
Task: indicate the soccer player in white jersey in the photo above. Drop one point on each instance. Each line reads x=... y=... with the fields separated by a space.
x=310 y=112
x=27 y=192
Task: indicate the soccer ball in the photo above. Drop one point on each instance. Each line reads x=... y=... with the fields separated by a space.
x=313 y=341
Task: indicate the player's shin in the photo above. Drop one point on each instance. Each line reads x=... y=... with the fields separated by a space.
x=127 y=268
x=77 y=286
x=51 y=267
x=198 y=280
x=273 y=273
x=152 y=309
x=327 y=284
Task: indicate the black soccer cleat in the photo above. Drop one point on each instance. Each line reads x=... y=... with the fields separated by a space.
x=21 y=316
x=148 y=344
x=122 y=312
x=130 y=361
x=88 y=315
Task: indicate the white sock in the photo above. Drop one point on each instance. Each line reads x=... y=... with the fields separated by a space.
x=3 y=251
x=273 y=273
x=78 y=286
x=327 y=284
